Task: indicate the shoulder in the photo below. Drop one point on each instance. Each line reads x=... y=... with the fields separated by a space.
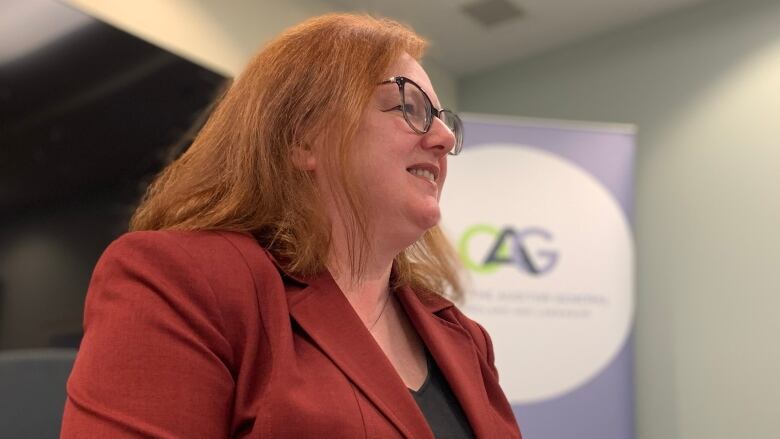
x=206 y=279
x=197 y=243
x=213 y=269
x=209 y=251
x=220 y=256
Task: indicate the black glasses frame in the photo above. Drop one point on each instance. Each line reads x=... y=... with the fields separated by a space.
x=401 y=81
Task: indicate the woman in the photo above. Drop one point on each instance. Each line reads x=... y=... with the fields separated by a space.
x=285 y=274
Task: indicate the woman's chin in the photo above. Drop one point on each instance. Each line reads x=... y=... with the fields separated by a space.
x=407 y=229
x=428 y=218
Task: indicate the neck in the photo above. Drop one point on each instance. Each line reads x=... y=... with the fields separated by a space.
x=372 y=281
x=367 y=291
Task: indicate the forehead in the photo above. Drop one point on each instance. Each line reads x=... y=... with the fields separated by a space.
x=407 y=66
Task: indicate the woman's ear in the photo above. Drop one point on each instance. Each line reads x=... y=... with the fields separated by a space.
x=303 y=158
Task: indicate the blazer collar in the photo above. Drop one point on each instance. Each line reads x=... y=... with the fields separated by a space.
x=454 y=352
x=322 y=310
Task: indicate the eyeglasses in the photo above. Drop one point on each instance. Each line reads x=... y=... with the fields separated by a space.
x=419 y=112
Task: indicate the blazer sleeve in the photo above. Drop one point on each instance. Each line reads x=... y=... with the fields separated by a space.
x=154 y=361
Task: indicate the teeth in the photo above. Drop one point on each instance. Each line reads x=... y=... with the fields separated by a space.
x=422 y=173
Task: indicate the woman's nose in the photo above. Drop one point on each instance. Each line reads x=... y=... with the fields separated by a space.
x=440 y=136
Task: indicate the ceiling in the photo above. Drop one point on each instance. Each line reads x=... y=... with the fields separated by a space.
x=87 y=111
x=463 y=46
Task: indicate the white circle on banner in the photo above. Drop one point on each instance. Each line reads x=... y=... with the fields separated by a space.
x=551 y=264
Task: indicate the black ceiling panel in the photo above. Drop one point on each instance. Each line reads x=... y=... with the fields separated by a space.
x=93 y=113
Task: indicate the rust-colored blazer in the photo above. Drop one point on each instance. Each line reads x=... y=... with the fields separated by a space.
x=201 y=335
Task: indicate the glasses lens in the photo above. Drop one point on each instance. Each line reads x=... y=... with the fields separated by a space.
x=455 y=125
x=417 y=108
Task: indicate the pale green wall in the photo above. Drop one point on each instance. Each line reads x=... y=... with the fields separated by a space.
x=703 y=86
x=444 y=83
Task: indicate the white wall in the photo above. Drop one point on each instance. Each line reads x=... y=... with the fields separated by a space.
x=222 y=34
x=703 y=86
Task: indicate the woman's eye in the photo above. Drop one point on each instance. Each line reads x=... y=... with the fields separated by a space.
x=391 y=108
x=407 y=108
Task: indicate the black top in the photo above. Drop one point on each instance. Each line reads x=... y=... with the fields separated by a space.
x=440 y=407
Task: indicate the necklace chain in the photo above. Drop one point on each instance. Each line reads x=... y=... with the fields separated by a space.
x=381 y=313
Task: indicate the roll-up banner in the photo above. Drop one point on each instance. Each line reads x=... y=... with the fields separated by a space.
x=540 y=212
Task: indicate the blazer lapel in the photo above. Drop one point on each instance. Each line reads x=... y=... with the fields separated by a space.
x=327 y=317
x=455 y=354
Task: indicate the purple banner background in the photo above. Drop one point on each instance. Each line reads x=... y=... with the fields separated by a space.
x=602 y=408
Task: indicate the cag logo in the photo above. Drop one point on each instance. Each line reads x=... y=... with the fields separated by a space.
x=508 y=246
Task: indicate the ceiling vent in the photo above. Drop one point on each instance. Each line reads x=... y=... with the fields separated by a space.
x=492 y=12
